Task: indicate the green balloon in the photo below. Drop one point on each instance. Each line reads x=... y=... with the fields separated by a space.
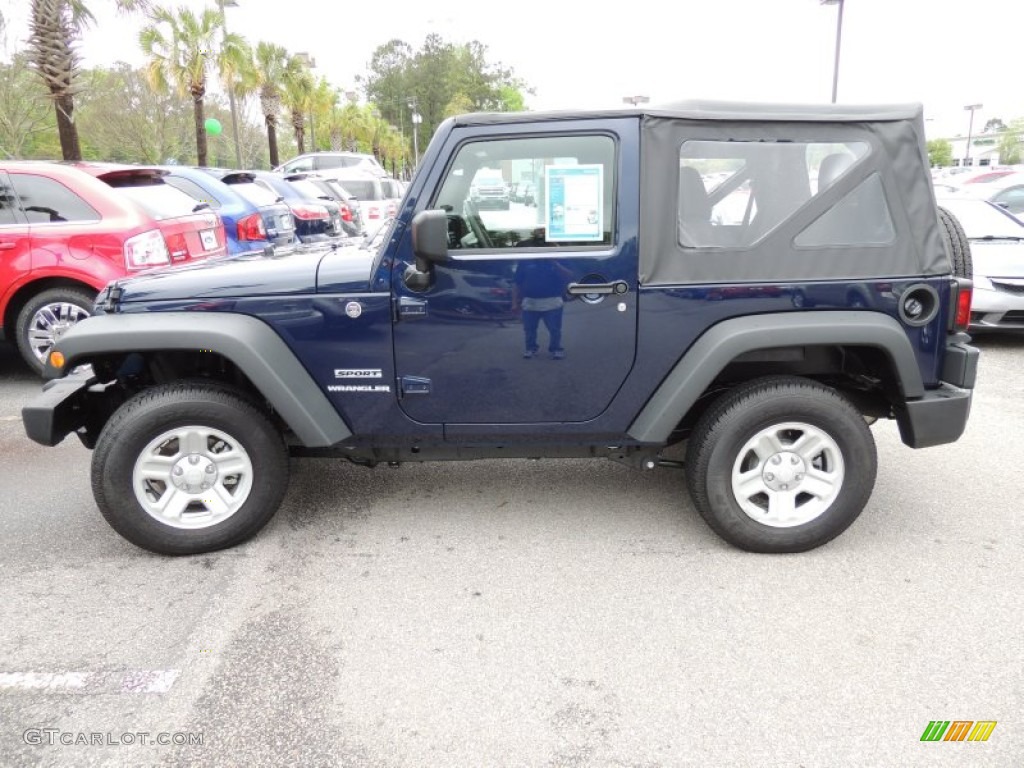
x=213 y=126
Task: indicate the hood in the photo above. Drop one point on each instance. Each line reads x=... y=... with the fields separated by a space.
x=291 y=271
x=998 y=258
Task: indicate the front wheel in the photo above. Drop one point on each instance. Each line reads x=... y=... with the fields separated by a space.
x=182 y=469
x=46 y=317
x=781 y=465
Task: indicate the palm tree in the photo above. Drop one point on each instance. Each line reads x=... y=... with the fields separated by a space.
x=54 y=29
x=298 y=88
x=265 y=74
x=180 y=46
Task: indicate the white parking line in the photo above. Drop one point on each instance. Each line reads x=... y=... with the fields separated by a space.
x=91 y=683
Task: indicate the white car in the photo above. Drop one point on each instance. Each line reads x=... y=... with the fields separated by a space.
x=997 y=247
x=327 y=163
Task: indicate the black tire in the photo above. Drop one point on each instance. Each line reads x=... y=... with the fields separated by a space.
x=81 y=298
x=957 y=244
x=151 y=413
x=742 y=413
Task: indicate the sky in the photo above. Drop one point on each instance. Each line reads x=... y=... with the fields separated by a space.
x=945 y=55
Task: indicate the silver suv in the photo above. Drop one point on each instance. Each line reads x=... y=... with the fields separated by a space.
x=332 y=161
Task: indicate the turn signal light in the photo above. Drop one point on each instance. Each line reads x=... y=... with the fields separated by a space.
x=57 y=359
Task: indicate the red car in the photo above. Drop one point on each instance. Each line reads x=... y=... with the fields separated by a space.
x=68 y=230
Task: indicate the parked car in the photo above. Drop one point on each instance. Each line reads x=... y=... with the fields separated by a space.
x=64 y=234
x=327 y=189
x=489 y=190
x=191 y=228
x=316 y=219
x=332 y=161
x=343 y=195
x=369 y=191
x=997 y=250
x=248 y=226
x=1006 y=192
x=523 y=192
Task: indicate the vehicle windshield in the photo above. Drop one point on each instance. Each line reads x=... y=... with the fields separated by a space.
x=980 y=219
x=309 y=188
x=362 y=190
x=255 y=193
x=161 y=201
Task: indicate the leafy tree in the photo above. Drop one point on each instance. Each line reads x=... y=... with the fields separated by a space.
x=180 y=46
x=940 y=153
x=27 y=126
x=264 y=75
x=995 y=125
x=438 y=80
x=297 y=90
x=1010 y=143
x=55 y=27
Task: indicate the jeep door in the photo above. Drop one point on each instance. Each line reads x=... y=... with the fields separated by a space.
x=532 y=319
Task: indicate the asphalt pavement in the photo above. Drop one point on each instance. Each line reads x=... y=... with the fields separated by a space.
x=518 y=613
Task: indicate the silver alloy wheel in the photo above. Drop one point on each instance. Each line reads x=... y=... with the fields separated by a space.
x=192 y=477
x=49 y=323
x=788 y=474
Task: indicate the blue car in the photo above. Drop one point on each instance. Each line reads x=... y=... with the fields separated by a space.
x=250 y=224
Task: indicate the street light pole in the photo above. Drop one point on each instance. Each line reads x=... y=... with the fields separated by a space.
x=416 y=119
x=970 y=131
x=231 y=86
x=839 y=46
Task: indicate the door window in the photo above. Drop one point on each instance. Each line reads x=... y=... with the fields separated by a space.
x=8 y=202
x=46 y=201
x=573 y=204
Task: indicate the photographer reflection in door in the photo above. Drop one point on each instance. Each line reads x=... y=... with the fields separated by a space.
x=539 y=286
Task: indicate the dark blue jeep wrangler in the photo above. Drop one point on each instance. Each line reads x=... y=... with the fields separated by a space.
x=760 y=282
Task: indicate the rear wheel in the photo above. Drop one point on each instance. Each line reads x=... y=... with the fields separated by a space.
x=958 y=244
x=46 y=317
x=781 y=465
x=187 y=468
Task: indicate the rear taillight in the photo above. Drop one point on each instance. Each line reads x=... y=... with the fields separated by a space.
x=177 y=245
x=310 y=212
x=346 y=212
x=392 y=210
x=251 y=228
x=145 y=250
x=374 y=212
x=963 y=292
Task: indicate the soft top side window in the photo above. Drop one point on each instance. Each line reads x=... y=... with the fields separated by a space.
x=733 y=193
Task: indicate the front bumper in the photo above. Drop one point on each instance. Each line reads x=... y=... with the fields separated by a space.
x=940 y=416
x=997 y=309
x=58 y=410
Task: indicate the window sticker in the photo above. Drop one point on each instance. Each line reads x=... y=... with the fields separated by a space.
x=574 y=207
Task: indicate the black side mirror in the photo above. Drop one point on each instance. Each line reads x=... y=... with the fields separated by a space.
x=430 y=238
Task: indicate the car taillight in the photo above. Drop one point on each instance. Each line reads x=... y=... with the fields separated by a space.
x=963 y=292
x=310 y=212
x=392 y=210
x=145 y=250
x=374 y=212
x=177 y=245
x=251 y=228
x=346 y=212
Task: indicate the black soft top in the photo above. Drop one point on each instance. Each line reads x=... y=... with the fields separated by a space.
x=717 y=110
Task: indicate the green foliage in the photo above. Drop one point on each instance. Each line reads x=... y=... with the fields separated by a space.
x=995 y=125
x=440 y=79
x=28 y=126
x=1010 y=144
x=940 y=153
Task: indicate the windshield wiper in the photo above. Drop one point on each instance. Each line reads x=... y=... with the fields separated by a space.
x=200 y=207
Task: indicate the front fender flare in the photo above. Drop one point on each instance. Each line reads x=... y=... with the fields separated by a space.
x=249 y=343
x=726 y=341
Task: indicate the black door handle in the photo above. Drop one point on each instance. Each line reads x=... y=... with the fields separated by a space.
x=583 y=289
